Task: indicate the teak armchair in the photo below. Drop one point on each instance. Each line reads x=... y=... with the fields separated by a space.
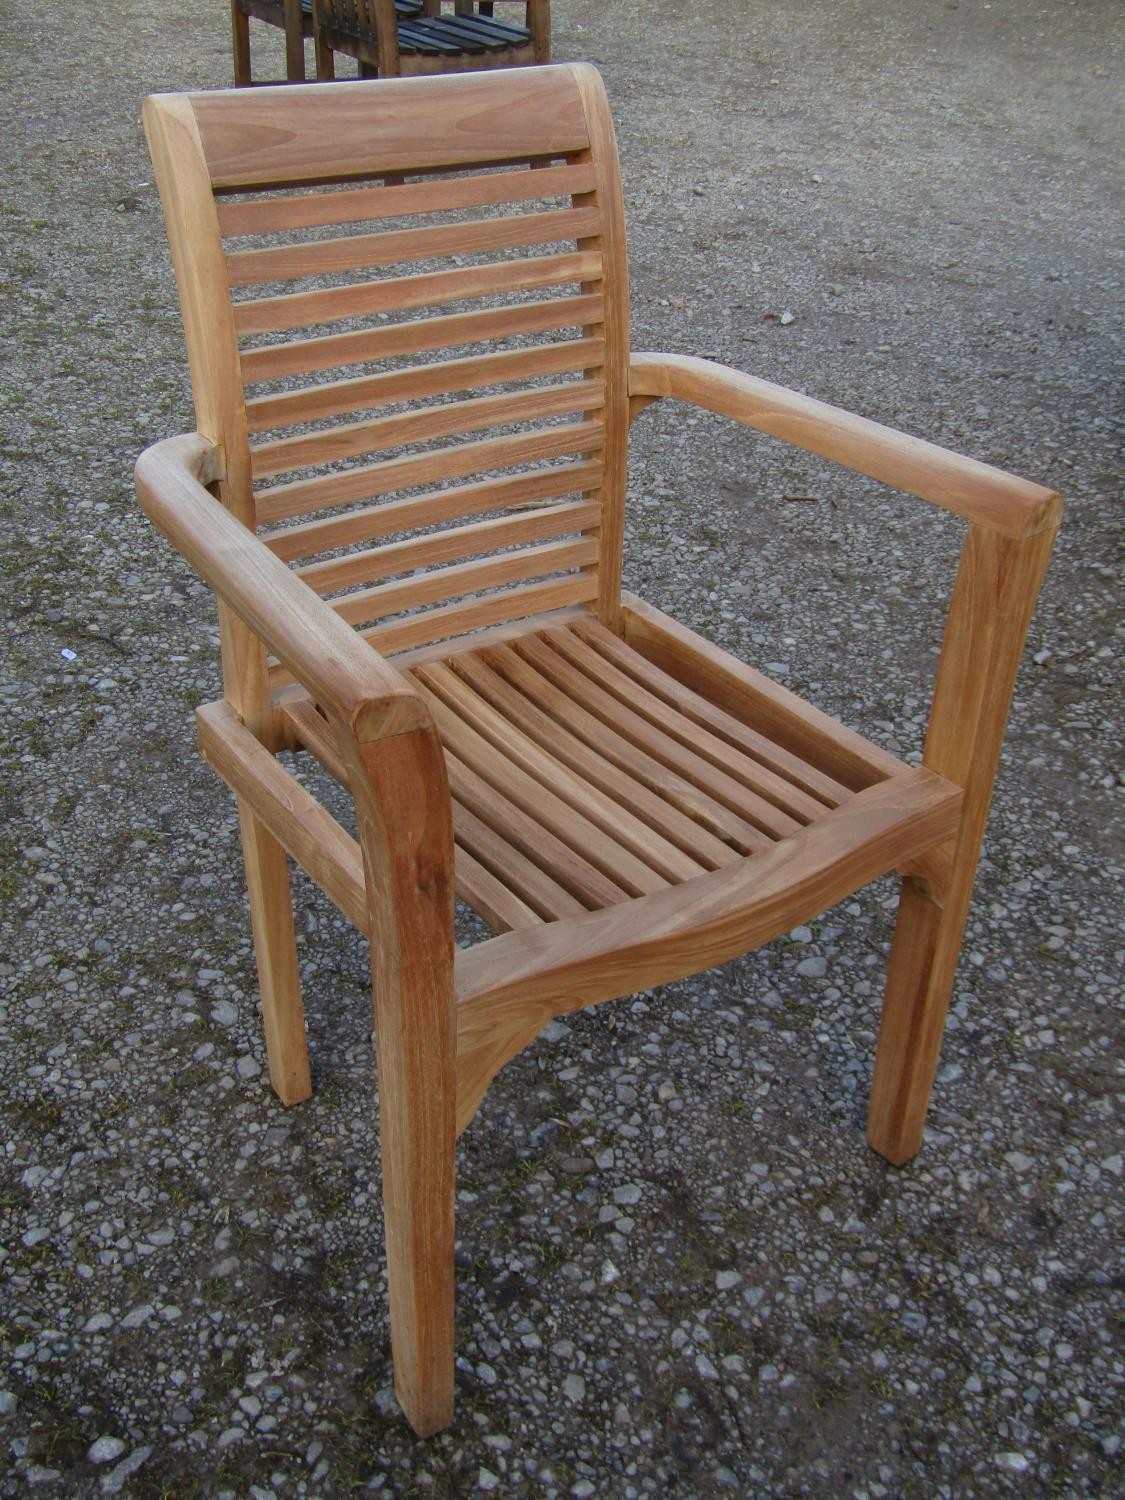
x=457 y=40
x=623 y=803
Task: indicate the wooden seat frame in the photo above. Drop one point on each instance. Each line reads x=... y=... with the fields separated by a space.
x=625 y=803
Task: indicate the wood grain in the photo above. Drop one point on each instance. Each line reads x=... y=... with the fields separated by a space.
x=510 y=987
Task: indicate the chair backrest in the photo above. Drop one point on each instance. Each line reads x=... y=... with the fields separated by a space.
x=324 y=239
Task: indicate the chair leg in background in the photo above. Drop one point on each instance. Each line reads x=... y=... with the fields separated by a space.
x=271 y=913
x=240 y=35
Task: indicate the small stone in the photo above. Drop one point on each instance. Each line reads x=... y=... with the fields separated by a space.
x=1018 y=1161
x=105 y=1450
x=487 y=1480
x=223 y=1013
x=33 y=1177
x=8 y=1403
x=1012 y=1463
x=574 y=1388
x=628 y=1192
x=725 y=1280
x=113 y=1482
x=138 y=1316
x=814 y=967
x=705 y=1367
x=248 y=1067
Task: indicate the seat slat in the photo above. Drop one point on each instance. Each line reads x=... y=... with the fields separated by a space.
x=400 y=200
x=717 y=783
x=337 y=350
x=310 y=537
x=792 y=800
x=489 y=897
x=487 y=894
x=446 y=546
x=440 y=378
x=564 y=865
x=648 y=805
x=446 y=419
x=385 y=599
x=544 y=897
x=724 y=724
x=680 y=791
x=352 y=251
x=283 y=501
x=427 y=289
x=618 y=821
x=538 y=802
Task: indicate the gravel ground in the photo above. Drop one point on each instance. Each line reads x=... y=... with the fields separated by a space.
x=681 y=1270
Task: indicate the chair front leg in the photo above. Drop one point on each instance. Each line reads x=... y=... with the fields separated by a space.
x=402 y=806
x=997 y=585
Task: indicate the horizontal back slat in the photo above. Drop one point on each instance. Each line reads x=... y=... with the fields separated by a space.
x=364 y=525
x=350 y=252
x=437 y=195
x=334 y=351
x=474 y=415
x=448 y=545
x=440 y=378
x=303 y=496
x=495 y=609
x=322 y=132
x=302 y=309
x=384 y=599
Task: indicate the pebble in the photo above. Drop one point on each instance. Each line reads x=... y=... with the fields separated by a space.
x=105 y=1450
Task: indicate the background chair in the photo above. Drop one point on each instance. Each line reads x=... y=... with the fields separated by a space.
x=622 y=802
x=457 y=41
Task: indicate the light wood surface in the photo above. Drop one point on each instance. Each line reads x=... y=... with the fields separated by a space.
x=509 y=988
x=986 y=496
x=621 y=801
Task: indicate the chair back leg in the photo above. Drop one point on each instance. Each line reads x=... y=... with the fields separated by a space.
x=275 y=947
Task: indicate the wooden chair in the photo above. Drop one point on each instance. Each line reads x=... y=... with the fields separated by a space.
x=295 y=18
x=387 y=45
x=622 y=802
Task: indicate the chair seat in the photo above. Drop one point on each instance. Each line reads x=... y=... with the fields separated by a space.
x=582 y=775
x=452 y=36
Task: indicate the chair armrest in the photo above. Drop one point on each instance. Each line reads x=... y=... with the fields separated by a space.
x=985 y=496
x=344 y=674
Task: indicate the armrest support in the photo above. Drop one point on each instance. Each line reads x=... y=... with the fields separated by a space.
x=985 y=496
x=348 y=677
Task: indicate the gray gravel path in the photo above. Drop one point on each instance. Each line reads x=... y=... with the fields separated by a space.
x=681 y=1270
